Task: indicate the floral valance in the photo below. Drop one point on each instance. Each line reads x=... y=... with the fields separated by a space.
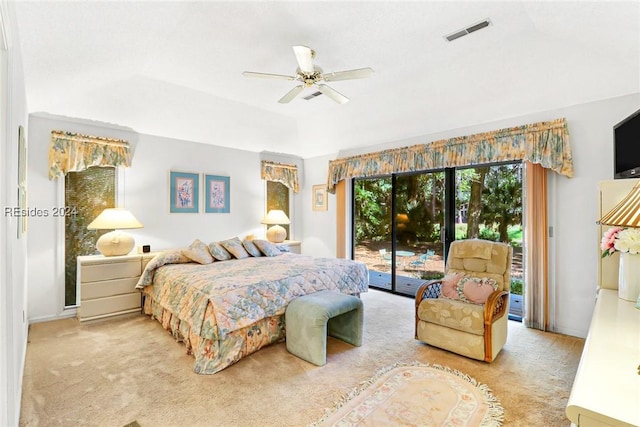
x=73 y=152
x=545 y=143
x=282 y=173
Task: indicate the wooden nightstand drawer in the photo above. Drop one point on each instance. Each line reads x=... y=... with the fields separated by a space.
x=103 y=307
x=108 y=288
x=110 y=270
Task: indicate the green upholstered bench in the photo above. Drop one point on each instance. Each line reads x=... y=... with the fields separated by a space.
x=309 y=318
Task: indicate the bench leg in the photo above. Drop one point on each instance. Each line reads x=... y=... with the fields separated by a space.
x=347 y=327
x=307 y=340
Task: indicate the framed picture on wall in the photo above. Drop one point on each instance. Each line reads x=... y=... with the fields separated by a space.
x=320 y=197
x=216 y=194
x=183 y=192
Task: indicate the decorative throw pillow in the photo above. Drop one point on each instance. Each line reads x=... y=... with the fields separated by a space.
x=450 y=285
x=267 y=248
x=198 y=252
x=251 y=248
x=234 y=247
x=476 y=290
x=219 y=252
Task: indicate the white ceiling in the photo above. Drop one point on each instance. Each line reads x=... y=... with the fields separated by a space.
x=174 y=68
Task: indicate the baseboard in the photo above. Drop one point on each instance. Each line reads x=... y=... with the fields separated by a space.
x=64 y=315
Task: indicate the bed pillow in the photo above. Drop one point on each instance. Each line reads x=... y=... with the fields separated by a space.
x=234 y=247
x=251 y=248
x=476 y=290
x=267 y=248
x=198 y=252
x=450 y=285
x=219 y=252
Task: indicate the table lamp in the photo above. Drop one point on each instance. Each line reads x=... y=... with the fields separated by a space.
x=277 y=233
x=115 y=242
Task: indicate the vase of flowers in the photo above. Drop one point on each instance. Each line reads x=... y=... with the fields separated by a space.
x=627 y=242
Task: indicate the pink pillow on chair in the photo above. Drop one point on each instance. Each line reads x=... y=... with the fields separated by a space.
x=450 y=285
x=476 y=290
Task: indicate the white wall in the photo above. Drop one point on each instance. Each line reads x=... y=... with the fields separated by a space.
x=13 y=255
x=319 y=230
x=145 y=193
x=573 y=208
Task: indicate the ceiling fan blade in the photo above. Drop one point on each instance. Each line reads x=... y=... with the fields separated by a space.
x=360 y=73
x=291 y=94
x=304 y=56
x=333 y=94
x=267 y=75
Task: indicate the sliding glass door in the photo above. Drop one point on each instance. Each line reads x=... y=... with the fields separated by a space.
x=418 y=226
x=372 y=219
x=404 y=223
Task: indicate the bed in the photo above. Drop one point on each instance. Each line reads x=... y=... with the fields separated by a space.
x=226 y=310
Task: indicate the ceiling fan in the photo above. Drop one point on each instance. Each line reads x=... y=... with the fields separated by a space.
x=311 y=75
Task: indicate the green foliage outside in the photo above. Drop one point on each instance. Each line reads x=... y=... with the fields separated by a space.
x=489 y=197
x=87 y=193
x=516 y=286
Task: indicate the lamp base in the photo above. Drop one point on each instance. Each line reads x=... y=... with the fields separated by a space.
x=276 y=234
x=115 y=243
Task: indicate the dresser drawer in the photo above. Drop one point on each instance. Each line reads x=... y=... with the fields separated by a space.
x=108 y=288
x=105 y=306
x=110 y=270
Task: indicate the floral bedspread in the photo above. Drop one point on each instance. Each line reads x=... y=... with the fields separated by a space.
x=224 y=296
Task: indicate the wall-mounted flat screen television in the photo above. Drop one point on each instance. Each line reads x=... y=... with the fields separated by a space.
x=626 y=143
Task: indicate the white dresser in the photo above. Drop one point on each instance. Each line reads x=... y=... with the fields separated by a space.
x=606 y=389
x=107 y=285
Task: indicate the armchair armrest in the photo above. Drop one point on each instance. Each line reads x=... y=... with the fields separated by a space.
x=428 y=289
x=495 y=307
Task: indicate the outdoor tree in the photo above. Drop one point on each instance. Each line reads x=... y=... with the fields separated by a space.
x=502 y=197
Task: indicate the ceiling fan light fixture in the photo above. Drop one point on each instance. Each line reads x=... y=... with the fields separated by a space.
x=310 y=75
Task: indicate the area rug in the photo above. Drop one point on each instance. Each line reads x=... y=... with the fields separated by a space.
x=416 y=394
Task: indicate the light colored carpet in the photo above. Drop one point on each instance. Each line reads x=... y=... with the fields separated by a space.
x=113 y=372
x=418 y=395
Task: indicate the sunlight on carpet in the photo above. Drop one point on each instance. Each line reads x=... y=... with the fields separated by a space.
x=416 y=394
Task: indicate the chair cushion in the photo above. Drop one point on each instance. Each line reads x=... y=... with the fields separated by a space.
x=454 y=314
x=478 y=265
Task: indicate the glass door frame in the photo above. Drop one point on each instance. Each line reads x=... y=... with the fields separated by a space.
x=448 y=233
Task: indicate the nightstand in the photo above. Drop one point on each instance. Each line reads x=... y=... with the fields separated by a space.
x=293 y=245
x=107 y=285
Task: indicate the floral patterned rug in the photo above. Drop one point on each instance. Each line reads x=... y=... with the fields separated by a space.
x=416 y=394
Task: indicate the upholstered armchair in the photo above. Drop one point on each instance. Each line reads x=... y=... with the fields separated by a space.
x=466 y=311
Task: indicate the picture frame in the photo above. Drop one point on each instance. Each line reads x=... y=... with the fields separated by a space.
x=319 y=195
x=217 y=194
x=184 y=192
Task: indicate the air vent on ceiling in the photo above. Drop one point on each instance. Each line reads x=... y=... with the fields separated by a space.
x=475 y=27
x=313 y=95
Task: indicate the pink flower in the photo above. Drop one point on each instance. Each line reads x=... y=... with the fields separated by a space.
x=621 y=240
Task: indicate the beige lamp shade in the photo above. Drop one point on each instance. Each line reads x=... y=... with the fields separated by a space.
x=275 y=217
x=115 y=242
x=626 y=213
